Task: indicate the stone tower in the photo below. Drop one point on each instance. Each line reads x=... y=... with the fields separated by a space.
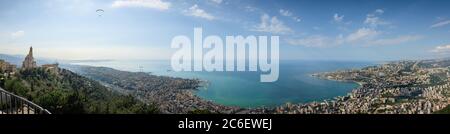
x=29 y=62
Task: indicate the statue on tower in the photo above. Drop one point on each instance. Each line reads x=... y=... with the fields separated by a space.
x=29 y=62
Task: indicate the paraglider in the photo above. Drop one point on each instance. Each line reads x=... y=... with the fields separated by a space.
x=100 y=12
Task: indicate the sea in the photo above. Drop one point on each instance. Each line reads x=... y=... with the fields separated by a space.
x=244 y=89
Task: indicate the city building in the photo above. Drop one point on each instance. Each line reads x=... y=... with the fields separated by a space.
x=51 y=67
x=7 y=67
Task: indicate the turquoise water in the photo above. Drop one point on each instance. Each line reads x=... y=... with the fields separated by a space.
x=244 y=89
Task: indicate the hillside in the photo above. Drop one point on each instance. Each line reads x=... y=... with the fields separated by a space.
x=65 y=92
x=13 y=59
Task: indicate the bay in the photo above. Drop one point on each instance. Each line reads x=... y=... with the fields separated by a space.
x=295 y=83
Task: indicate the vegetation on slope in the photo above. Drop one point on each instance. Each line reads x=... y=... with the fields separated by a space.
x=68 y=93
x=445 y=110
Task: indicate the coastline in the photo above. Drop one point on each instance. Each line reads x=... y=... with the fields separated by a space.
x=316 y=75
x=205 y=85
x=403 y=87
x=370 y=86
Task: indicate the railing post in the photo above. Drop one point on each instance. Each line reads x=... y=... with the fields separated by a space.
x=22 y=110
x=10 y=103
x=1 y=100
x=15 y=106
x=28 y=108
x=36 y=110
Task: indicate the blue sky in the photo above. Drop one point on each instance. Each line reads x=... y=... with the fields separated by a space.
x=143 y=29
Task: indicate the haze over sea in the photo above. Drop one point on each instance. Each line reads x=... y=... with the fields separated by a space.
x=244 y=88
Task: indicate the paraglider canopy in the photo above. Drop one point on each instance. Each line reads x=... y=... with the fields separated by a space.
x=100 y=12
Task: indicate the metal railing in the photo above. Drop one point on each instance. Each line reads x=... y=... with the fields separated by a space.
x=13 y=104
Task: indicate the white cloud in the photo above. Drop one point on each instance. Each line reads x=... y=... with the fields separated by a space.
x=217 y=1
x=379 y=11
x=363 y=37
x=287 y=13
x=362 y=34
x=197 y=12
x=18 y=34
x=297 y=19
x=442 y=49
x=338 y=18
x=396 y=40
x=374 y=20
x=272 y=25
x=440 y=24
x=153 y=4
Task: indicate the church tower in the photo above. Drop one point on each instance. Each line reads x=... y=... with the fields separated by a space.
x=29 y=62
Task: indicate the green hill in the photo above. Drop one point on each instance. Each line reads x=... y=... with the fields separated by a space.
x=65 y=92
